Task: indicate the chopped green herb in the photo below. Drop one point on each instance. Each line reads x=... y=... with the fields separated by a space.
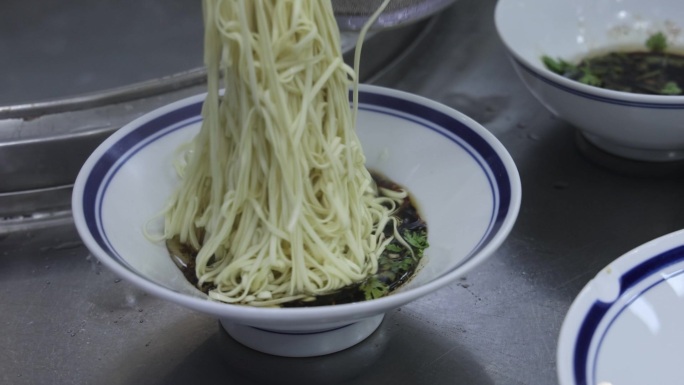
x=393 y=247
x=671 y=88
x=559 y=66
x=373 y=288
x=396 y=262
x=654 y=72
x=657 y=42
x=590 y=79
x=417 y=239
x=402 y=264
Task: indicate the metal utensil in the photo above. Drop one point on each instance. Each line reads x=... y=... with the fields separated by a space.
x=352 y=14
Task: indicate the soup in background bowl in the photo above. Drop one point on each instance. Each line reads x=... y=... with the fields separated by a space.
x=631 y=125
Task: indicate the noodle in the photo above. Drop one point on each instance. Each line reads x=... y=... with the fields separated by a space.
x=274 y=194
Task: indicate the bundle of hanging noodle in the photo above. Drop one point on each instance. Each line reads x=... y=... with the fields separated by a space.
x=274 y=194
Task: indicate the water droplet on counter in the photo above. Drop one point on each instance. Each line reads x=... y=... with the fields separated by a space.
x=131 y=300
x=67 y=245
x=94 y=264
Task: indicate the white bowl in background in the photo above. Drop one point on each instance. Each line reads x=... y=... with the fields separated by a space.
x=636 y=126
x=465 y=184
x=625 y=326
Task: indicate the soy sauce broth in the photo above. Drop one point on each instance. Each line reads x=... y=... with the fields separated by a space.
x=653 y=70
x=651 y=73
x=396 y=265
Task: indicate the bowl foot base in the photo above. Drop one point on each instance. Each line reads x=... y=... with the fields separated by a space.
x=626 y=166
x=302 y=343
x=637 y=154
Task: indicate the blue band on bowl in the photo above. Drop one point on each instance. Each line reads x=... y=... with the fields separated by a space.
x=599 y=309
x=479 y=144
x=113 y=156
x=106 y=166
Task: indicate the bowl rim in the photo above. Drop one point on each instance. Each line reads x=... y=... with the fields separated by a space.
x=357 y=310
x=538 y=70
x=615 y=281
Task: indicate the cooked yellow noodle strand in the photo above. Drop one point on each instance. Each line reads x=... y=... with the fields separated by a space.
x=274 y=193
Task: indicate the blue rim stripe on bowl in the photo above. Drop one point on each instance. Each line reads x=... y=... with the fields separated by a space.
x=465 y=146
x=104 y=171
x=599 y=309
x=122 y=161
x=466 y=134
x=661 y=106
x=623 y=308
x=91 y=189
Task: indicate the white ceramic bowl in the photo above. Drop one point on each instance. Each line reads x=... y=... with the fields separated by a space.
x=641 y=127
x=625 y=326
x=465 y=183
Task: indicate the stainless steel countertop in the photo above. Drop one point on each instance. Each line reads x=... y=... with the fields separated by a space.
x=66 y=320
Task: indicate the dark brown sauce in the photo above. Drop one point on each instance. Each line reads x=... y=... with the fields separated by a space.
x=652 y=73
x=396 y=265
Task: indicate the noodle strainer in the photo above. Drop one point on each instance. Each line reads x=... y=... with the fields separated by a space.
x=352 y=14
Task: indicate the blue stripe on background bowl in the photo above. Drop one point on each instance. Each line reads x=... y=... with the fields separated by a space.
x=625 y=326
x=635 y=126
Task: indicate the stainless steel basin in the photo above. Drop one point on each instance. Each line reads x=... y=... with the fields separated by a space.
x=81 y=70
x=66 y=320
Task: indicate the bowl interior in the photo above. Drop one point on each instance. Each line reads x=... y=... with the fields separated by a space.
x=464 y=182
x=633 y=305
x=571 y=29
